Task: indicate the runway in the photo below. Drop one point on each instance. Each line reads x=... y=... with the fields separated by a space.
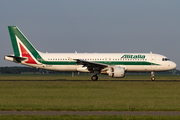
x=89 y=112
x=94 y=81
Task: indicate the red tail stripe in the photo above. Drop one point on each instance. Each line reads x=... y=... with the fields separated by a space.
x=25 y=53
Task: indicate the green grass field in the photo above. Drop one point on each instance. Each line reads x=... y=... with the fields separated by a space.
x=76 y=117
x=85 y=77
x=68 y=93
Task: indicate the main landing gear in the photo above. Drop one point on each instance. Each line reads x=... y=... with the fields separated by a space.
x=152 y=76
x=94 y=77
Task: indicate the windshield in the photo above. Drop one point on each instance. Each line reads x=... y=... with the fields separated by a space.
x=165 y=59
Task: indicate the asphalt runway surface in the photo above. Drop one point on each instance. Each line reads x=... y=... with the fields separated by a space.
x=89 y=112
x=100 y=80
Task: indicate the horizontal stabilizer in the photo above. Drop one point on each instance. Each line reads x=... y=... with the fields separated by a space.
x=14 y=58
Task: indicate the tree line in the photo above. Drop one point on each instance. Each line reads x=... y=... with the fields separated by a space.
x=26 y=70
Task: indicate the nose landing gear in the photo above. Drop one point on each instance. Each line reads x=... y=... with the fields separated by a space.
x=152 y=76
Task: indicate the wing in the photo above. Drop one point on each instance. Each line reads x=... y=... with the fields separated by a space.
x=91 y=66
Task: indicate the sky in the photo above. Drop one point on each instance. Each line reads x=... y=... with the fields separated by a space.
x=102 y=26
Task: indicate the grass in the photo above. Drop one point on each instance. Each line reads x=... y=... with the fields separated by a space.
x=83 y=95
x=90 y=117
x=84 y=77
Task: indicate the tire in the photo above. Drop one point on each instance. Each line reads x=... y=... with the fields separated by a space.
x=94 y=78
x=153 y=78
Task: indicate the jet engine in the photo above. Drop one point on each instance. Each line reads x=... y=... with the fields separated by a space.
x=117 y=72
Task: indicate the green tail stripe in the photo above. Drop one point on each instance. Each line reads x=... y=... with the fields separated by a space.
x=13 y=41
x=14 y=31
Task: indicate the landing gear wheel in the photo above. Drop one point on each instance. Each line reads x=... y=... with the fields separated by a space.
x=94 y=78
x=153 y=78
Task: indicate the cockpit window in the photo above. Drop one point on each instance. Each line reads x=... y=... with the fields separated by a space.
x=165 y=59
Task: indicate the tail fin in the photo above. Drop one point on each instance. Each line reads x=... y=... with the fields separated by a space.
x=22 y=47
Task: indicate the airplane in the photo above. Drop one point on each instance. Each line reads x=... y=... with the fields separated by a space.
x=112 y=64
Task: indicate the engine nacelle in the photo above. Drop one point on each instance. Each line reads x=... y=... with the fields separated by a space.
x=117 y=72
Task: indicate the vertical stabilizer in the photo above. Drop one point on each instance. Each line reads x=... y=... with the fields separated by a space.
x=21 y=46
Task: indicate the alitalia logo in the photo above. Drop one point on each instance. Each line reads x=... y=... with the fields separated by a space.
x=134 y=56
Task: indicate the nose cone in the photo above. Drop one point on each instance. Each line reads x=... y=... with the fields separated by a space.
x=173 y=65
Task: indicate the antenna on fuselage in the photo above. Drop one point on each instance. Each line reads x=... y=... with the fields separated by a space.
x=150 y=52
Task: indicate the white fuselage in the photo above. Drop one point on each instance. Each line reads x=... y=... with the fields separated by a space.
x=65 y=62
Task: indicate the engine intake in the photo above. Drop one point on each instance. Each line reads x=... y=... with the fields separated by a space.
x=117 y=72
